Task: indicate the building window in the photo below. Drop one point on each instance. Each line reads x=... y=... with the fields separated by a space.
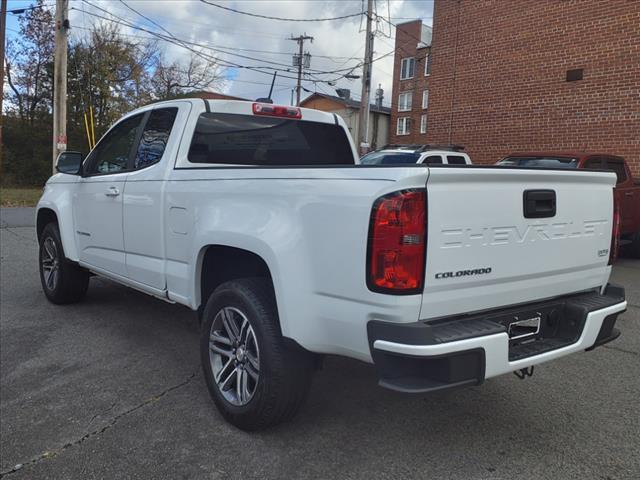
x=404 y=126
x=404 y=101
x=407 y=67
x=423 y=123
x=575 y=75
x=427 y=65
x=425 y=98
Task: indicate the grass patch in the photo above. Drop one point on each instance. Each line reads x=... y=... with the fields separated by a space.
x=19 y=196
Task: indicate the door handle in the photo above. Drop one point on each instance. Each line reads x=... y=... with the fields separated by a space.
x=112 y=192
x=628 y=194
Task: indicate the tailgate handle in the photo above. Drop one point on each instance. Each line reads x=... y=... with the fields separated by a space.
x=539 y=203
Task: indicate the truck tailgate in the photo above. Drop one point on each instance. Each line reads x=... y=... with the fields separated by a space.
x=483 y=252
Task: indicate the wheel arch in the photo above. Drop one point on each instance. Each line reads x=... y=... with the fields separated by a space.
x=43 y=218
x=56 y=205
x=222 y=263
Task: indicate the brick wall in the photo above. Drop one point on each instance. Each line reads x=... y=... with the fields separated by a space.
x=407 y=36
x=498 y=78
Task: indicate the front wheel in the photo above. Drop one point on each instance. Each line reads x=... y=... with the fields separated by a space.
x=255 y=379
x=62 y=281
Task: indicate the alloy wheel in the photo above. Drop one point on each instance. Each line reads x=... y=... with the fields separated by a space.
x=234 y=356
x=50 y=263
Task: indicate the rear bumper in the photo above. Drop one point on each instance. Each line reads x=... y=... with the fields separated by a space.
x=453 y=352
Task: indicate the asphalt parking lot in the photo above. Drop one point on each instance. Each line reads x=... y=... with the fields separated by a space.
x=112 y=388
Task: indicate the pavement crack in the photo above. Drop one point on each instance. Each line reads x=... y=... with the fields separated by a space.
x=22 y=237
x=101 y=413
x=98 y=431
x=621 y=350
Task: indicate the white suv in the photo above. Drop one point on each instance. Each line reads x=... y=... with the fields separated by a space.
x=427 y=154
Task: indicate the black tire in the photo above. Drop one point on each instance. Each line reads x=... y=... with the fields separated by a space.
x=69 y=283
x=285 y=372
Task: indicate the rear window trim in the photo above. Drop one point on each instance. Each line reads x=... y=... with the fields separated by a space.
x=348 y=150
x=572 y=162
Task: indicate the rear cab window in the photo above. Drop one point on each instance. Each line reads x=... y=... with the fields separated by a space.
x=594 y=163
x=389 y=158
x=540 y=162
x=235 y=139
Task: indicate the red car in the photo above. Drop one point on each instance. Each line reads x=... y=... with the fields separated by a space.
x=627 y=191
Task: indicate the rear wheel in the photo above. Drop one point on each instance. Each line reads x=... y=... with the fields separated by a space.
x=255 y=379
x=62 y=281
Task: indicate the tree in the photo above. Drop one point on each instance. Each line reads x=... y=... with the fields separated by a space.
x=110 y=74
x=173 y=79
x=27 y=123
x=29 y=65
x=107 y=71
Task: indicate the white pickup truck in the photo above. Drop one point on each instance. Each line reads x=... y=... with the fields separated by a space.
x=259 y=217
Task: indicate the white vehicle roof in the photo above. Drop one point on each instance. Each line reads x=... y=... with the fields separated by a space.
x=427 y=151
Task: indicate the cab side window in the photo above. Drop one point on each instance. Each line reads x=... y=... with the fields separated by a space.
x=154 y=137
x=433 y=160
x=456 y=160
x=618 y=167
x=112 y=154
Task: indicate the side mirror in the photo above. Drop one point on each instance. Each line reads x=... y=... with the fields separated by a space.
x=69 y=162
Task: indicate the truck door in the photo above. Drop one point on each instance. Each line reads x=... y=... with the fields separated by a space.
x=98 y=198
x=144 y=235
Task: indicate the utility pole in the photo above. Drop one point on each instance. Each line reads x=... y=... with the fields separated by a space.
x=301 y=60
x=3 y=26
x=363 y=120
x=60 y=80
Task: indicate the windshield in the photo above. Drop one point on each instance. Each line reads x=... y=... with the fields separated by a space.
x=540 y=162
x=388 y=158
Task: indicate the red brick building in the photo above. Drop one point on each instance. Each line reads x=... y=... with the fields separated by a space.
x=411 y=72
x=547 y=75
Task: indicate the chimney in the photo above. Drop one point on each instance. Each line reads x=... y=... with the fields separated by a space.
x=344 y=93
x=379 y=96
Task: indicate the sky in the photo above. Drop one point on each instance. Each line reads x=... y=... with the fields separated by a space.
x=247 y=40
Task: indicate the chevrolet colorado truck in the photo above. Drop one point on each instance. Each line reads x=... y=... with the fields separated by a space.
x=259 y=217
x=626 y=193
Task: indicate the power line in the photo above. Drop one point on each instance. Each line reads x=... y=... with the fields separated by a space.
x=311 y=77
x=19 y=11
x=179 y=43
x=185 y=44
x=222 y=48
x=280 y=18
x=342 y=60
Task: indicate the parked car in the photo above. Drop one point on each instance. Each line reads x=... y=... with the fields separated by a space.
x=627 y=191
x=257 y=217
x=427 y=154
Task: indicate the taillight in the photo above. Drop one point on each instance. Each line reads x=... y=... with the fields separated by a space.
x=615 y=231
x=276 y=110
x=397 y=240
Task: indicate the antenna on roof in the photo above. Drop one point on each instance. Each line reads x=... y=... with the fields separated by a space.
x=268 y=99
